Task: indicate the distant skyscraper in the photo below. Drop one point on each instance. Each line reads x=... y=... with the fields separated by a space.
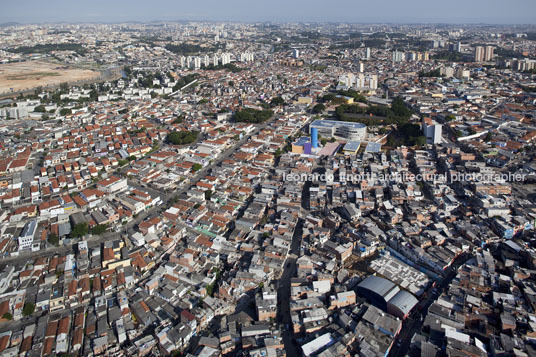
x=479 y=53
x=225 y=58
x=448 y=72
x=246 y=57
x=459 y=47
x=361 y=67
x=296 y=53
x=462 y=73
x=488 y=53
x=367 y=55
x=398 y=56
x=197 y=62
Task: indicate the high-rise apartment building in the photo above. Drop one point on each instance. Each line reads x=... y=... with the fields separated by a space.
x=398 y=56
x=488 y=53
x=479 y=53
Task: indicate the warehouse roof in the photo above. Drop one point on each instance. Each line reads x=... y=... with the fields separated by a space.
x=380 y=286
x=403 y=301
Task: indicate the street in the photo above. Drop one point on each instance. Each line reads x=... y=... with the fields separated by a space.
x=283 y=292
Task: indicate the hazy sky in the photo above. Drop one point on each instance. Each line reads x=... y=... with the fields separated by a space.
x=358 y=11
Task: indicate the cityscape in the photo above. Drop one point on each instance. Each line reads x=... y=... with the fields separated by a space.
x=267 y=188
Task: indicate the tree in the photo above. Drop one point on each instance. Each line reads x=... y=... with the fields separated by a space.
x=450 y=117
x=80 y=230
x=399 y=108
x=319 y=108
x=45 y=117
x=65 y=111
x=433 y=73
x=420 y=140
x=197 y=167
x=250 y=115
x=53 y=239
x=64 y=87
x=328 y=97
x=40 y=109
x=178 y=120
x=28 y=309
x=182 y=137
x=7 y=316
x=277 y=101
x=488 y=137
x=99 y=229
x=208 y=194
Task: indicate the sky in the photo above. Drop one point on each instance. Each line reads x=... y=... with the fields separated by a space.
x=352 y=11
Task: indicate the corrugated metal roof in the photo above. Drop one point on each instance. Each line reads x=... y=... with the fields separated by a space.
x=352 y=146
x=377 y=285
x=403 y=301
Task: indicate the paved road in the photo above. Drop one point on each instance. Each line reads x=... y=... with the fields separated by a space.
x=283 y=292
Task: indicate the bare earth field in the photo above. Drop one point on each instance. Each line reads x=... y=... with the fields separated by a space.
x=28 y=75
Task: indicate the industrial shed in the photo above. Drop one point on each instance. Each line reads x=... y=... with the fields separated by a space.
x=377 y=290
x=401 y=304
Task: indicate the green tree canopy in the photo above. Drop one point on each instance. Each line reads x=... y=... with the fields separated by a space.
x=53 y=239
x=319 y=108
x=250 y=115
x=182 y=137
x=80 y=230
x=276 y=101
x=28 y=309
x=65 y=111
x=99 y=229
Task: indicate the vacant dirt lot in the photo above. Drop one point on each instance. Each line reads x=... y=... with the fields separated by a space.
x=27 y=75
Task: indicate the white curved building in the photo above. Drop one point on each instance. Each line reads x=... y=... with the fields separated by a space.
x=340 y=129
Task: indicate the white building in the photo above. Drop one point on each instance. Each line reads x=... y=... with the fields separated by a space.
x=27 y=235
x=225 y=58
x=359 y=82
x=432 y=131
x=399 y=56
x=479 y=53
x=197 y=62
x=488 y=53
x=341 y=129
x=113 y=184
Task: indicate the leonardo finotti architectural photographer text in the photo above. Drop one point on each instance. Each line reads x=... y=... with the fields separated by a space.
x=405 y=177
